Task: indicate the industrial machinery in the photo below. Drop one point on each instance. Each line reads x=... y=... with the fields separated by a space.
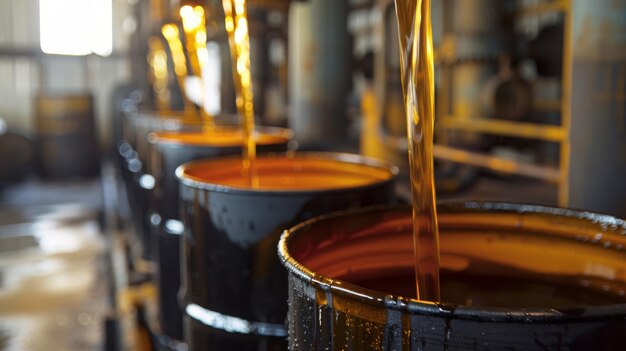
x=513 y=92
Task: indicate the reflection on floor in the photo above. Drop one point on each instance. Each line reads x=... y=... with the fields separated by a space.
x=53 y=286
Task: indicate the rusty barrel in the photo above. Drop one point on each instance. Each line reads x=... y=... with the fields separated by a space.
x=66 y=141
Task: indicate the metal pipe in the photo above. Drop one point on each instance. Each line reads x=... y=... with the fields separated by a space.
x=497 y=164
x=597 y=161
x=319 y=70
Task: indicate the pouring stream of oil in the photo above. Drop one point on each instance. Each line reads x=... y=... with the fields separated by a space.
x=171 y=34
x=417 y=73
x=194 y=27
x=236 y=23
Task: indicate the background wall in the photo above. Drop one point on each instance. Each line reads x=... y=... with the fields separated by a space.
x=25 y=71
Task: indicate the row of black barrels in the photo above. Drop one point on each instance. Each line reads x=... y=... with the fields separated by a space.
x=148 y=170
x=220 y=292
x=148 y=226
x=233 y=293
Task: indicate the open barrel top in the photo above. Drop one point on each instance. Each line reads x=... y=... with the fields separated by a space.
x=557 y=243
x=292 y=173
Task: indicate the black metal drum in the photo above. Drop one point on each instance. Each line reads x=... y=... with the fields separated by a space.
x=233 y=285
x=512 y=277
x=170 y=150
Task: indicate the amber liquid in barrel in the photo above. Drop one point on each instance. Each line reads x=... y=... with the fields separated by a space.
x=236 y=23
x=506 y=288
x=417 y=73
x=219 y=138
x=291 y=174
x=480 y=266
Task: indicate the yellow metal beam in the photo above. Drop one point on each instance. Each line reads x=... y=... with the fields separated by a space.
x=508 y=128
x=566 y=103
x=497 y=164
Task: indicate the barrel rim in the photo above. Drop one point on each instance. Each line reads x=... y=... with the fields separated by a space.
x=449 y=310
x=336 y=156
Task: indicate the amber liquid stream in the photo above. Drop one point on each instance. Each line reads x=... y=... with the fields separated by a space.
x=417 y=73
x=236 y=23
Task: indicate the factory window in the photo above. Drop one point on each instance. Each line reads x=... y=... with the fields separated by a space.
x=76 y=27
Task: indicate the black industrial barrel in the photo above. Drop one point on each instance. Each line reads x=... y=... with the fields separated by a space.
x=139 y=183
x=513 y=277
x=233 y=286
x=172 y=149
x=16 y=157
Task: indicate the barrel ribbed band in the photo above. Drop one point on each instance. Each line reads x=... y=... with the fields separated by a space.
x=170 y=343
x=233 y=324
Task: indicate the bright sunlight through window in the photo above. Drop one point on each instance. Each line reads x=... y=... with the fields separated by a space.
x=76 y=27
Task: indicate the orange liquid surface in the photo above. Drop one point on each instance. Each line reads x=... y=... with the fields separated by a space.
x=219 y=138
x=480 y=264
x=289 y=174
x=504 y=289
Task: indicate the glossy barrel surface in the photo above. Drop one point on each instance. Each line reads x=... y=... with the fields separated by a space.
x=135 y=151
x=235 y=289
x=555 y=245
x=168 y=155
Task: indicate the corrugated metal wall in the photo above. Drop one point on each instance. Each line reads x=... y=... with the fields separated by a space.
x=25 y=71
